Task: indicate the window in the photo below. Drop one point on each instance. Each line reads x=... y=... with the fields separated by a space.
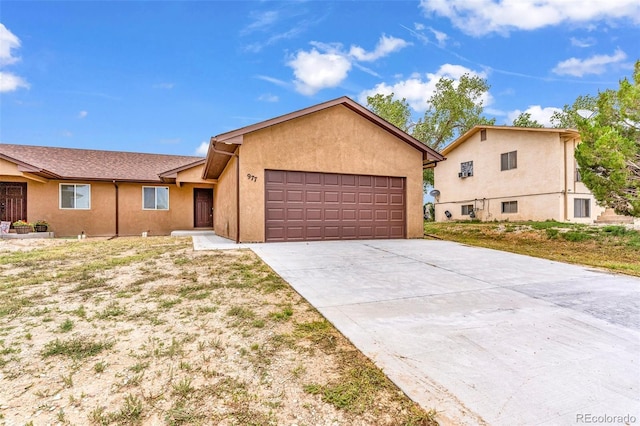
x=466 y=169
x=509 y=160
x=581 y=207
x=483 y=134
x=578 y=175
x=467 y=209
x=75 y=196
x=510 y=207
x=155 y=198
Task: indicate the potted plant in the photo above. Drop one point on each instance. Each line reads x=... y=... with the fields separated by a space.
x=41 y=225
x=22 y=226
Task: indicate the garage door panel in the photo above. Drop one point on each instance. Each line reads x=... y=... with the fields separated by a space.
x=365 y=198
x=275 y=195
x=332 y=214
x=295 y=214
x=314 y=215
x=313 y=179
x=313 y=196
x=294 y=178
x=349 y=197
x=331 y=197
x=303 y=206
x=331 y=179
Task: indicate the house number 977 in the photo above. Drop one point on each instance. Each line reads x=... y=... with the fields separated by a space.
x=252 y=178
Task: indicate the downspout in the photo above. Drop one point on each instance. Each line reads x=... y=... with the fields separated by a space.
x=115 y=184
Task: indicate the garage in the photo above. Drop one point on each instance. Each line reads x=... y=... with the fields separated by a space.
x=332 y=171
x=311 y=206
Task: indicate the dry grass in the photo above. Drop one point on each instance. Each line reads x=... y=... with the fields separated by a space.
x=614 y=248
x=147 y=331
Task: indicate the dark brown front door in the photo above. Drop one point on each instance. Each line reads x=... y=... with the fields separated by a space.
x=305 y=206
x=203 y=207
x=13 y=201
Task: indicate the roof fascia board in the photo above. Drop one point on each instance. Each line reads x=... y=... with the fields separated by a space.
x=231 y=137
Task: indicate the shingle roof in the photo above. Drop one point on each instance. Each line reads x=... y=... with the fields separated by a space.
x=89 y=164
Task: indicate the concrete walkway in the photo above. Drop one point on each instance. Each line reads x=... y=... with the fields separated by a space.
x=484 y=337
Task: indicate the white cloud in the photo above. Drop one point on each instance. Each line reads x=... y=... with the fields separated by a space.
x=82 y=114
x=272 y=80
x=327 y=64
x=268 y=97
x=385 y=46
x=417 y=89
x=202 y=149
x=315 y=71
x=8 y=42
x=584 y=42
x=480 y=17
x=261 y=21
x=539 y=114
x=10 y=82
x=440 y=36
x=596 y=64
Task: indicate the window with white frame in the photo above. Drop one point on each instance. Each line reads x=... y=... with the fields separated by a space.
x=581 y=207
x=467 y=209
x=509 y=160
x=75 y=196
x=155 y=198
x=509 y=207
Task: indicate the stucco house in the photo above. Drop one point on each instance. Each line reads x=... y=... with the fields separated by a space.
x=513 y=173
x=103 y=193
x=331 y=171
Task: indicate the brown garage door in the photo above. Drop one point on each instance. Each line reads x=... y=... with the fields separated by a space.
x=304 y=206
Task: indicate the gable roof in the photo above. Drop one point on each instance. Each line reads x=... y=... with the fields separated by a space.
x=96 y=165
x=223 y=146
x=475 y=129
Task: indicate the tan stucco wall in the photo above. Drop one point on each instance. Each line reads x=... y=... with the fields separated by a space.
x=8 y=169
x=334 y=140
x=543 y=183
x=43 y=203
x=224 y=202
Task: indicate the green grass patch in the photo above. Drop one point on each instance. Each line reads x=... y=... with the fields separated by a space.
x=76 y=348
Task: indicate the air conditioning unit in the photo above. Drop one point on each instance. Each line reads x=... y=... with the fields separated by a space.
x=464 y=174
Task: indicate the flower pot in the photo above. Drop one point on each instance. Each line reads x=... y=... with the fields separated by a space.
x=22 y=229
x=41 y=228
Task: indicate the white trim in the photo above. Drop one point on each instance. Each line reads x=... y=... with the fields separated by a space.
x=75 y=185
x=155 y=192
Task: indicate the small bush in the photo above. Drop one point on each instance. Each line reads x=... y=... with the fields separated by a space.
x=576 y=236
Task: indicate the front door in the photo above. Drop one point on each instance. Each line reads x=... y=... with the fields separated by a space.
x=203 y=208
x=13 y=201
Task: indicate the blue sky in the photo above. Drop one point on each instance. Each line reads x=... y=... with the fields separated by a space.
x=164 y=76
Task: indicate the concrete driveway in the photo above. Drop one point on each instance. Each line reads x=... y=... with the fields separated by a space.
x=482 y=336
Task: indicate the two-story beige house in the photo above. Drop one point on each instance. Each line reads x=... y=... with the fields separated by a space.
x=513 y=173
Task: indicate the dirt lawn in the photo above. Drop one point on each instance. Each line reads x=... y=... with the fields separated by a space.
x=147 y=331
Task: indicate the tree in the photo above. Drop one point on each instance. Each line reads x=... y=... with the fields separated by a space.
x=396 y=112
x=454 y=108
x=569 y=117
x=609 y=154
x=525 y=120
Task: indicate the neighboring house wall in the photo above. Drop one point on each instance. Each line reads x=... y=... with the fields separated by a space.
x=43 y=202
x=541 y=186
x=334 y=140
